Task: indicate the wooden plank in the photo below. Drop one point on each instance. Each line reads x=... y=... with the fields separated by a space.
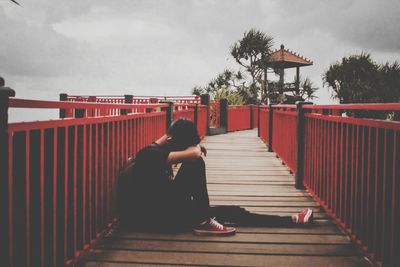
x=242 y=237
x=214 y=259
x=264 y=203
x=240 y=171
x=263 y=198
x=243 y=248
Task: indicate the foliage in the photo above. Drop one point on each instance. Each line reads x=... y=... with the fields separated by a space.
x=225 y=85
x=307 y=89
x=306 y=92
x=353 y=80
x=358 y=79
x=233 y=97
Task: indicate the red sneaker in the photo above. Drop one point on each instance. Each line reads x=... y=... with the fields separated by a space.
x=212 y=227
x=304 y=217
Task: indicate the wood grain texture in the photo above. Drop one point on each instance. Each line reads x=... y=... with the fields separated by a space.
x=241 y=172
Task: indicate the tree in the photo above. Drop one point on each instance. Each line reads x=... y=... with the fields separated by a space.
x=389 y=82
x=358 y=79
x=252 y=52
x=353 y=80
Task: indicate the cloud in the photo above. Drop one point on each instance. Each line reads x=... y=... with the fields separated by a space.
x=34 y=49
x=368 y=24
x=167 y=47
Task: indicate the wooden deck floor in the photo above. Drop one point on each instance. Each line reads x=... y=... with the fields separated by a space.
x=241 y=172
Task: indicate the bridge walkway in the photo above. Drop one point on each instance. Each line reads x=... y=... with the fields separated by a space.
x=240 y=171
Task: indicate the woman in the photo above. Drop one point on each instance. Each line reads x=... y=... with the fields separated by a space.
x=155 y=198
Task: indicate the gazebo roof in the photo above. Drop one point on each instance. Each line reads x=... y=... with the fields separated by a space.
x=288 y=59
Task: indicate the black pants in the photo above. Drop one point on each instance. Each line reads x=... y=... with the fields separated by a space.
x=193 y=207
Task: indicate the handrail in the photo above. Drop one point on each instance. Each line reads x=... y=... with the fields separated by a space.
x=365 y=106
x=27 y=103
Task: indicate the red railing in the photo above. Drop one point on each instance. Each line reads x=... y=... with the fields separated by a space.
x=182 y=111
x=61 y=177
x=254 y=117
x=215 y=114
x=284 y=131
x=202 y=120
x=263 y=123
x=239 y=118
x=351 y=166
x=127 y=99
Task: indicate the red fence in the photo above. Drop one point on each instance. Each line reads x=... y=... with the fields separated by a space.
x=127 y=99
x=183 y=112
x=263 y=123
x=350 y=165
x=215 y=114
x=284 y=131
x=58 y=193
x=202 y=120
x=239 y=118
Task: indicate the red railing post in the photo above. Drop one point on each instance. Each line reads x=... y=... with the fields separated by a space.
x=128 y=99
x=300 y=146
x=223 y=114
x=258 y=120
x=270 y=129
x=79 y=113
x=195 y=116
x=5 y=201
x=251 y=116
x=63 y=97
x=169 y=114
x=205 y=100
x=91 y=112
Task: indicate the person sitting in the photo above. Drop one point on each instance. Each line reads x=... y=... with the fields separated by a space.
x=154 y=198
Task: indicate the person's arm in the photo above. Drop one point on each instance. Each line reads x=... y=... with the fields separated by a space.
x=189 y=154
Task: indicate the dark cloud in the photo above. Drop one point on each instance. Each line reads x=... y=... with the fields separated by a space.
x=31 y=49
x=369 y=24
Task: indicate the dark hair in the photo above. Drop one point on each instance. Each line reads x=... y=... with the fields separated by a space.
x=183 y=134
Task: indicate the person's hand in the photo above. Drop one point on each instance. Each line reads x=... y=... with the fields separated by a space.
x=203 y=150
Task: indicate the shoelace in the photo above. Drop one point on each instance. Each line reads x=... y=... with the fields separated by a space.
x=216 y=224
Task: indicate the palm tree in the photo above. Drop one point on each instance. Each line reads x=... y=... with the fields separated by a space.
x=252 y=52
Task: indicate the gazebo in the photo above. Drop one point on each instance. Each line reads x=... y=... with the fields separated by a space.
x=284 y=59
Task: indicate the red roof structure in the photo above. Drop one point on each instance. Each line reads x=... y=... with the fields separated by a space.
x=285 y=58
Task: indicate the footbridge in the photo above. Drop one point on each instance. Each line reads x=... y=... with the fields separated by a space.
x=58 y=181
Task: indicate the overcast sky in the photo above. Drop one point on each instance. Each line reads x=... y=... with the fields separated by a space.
x=166 y=47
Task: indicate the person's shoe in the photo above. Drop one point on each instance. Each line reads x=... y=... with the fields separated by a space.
x=212 y=227
x=304 y=217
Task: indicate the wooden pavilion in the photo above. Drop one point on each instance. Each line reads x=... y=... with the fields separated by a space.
x=282 y=59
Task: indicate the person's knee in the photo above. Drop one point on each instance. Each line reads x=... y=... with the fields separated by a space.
x=199 y=163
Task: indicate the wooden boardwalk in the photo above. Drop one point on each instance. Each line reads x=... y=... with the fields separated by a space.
x=240 y=171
